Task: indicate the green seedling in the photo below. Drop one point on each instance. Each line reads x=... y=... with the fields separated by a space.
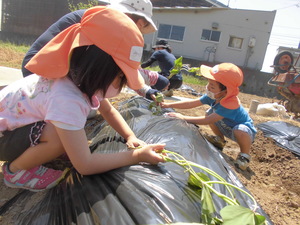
x=195 y=70
x=177 y=67
x=233 y=213
x=154 y=106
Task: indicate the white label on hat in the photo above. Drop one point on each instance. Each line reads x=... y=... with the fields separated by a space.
x=136 y=53
x=215 y=69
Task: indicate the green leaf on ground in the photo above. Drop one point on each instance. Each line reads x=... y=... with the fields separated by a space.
x=239 y=215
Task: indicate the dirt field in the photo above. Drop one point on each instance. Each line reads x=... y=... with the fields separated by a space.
x=273 y=177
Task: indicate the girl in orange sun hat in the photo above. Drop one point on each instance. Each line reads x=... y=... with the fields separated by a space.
x=42 y=116
x=139 y=11
x=226 y=117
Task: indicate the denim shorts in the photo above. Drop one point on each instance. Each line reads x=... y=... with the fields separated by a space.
x=14 y=143
x=228 y=131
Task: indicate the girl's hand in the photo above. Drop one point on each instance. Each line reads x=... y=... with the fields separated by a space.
x=149 y=153
x=176 y=115
x=165 y=105
x=133 y=142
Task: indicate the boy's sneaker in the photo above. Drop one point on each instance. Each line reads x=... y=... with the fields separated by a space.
x=242 y=161
x=216 y=141
x=36 y=179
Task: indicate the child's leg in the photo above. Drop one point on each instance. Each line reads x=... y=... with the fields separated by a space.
x=244 y=136
x=24 y=164
x=244 y=140
x=217 y=131
x=161 y=84
x=217 y=128
x=49 y=148
x=218 y=140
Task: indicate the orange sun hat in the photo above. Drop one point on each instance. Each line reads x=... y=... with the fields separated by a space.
x=107 y=28
x=230 y=76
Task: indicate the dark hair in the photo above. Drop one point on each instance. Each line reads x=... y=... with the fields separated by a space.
x=162 y=44
x=222 y=87
x=169 y=49
x=92 y=70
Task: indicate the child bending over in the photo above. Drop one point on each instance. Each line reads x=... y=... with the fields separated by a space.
x=43 y=115
x=226 y=117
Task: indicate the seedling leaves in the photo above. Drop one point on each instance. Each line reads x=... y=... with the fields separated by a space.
x=239 y=215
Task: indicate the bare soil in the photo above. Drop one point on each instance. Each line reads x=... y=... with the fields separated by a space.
x=273 y=177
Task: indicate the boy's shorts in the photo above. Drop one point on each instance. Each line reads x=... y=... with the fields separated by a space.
x=14 y=143
x=228 y=131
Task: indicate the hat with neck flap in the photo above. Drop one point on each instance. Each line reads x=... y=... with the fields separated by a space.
x=230 y=76
x=107 y=28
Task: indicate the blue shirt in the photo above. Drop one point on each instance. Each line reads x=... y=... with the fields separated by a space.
x=63 y=23
x=232 y=117
x=165 y=61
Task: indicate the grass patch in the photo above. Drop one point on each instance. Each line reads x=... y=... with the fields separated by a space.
x=187 y=79
x=12 y=55
x=14 y=47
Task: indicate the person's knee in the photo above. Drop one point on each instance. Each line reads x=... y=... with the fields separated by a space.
x=162 y=83
x=243 y=139
x=242 y=132
x=239 y=134
x=175 y=84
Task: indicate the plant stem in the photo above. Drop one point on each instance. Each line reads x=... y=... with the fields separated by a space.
x=181 y=161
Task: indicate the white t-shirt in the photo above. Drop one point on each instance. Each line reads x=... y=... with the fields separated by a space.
x=149 y=76
x=35 y=98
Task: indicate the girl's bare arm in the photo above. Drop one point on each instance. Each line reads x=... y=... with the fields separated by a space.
x=76 y=145
x=182 y=104
x=114 y=118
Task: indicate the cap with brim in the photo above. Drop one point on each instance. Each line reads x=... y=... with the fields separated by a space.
x=160 y=46
x=107 y=28
x=230 y=76
x=141 y=8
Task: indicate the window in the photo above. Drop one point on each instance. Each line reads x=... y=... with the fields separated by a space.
x=170 y=32
x=235 y=42
x=210 y=35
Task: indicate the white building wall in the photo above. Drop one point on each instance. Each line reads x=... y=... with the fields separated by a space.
x=231 y=22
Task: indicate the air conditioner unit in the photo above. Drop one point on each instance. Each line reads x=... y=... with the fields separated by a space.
x=215 y=25
x=252 y=42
